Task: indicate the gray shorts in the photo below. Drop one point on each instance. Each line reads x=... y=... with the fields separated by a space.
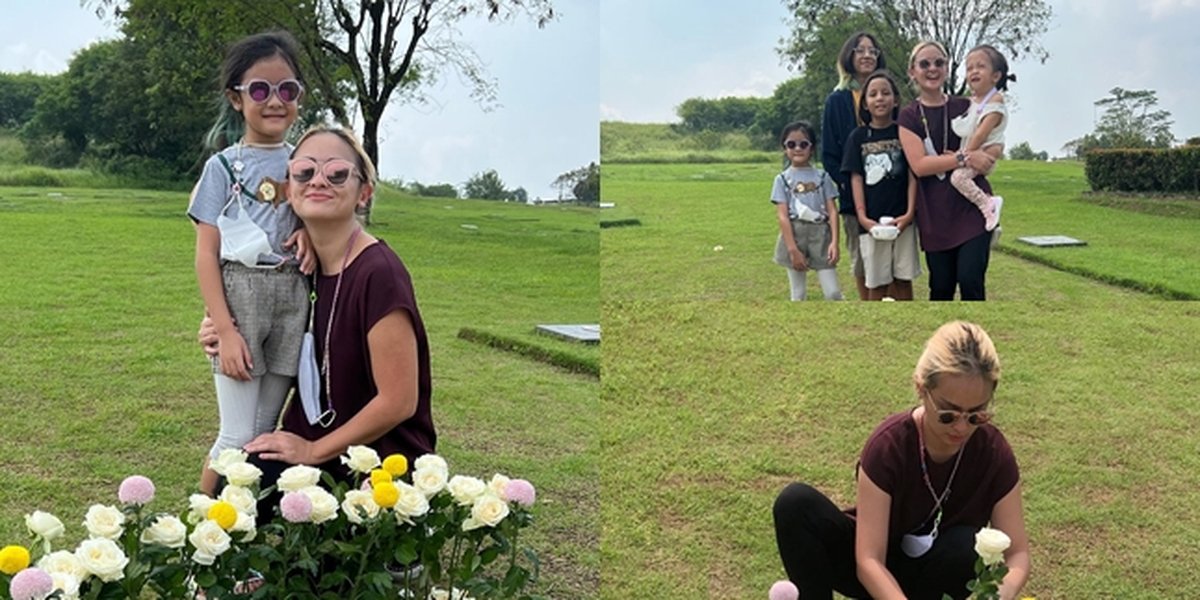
x=853 y=229
x=271 y=309
x=813 y=241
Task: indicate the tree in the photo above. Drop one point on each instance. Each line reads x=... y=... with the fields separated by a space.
x=519 y=195
x=441 y=190
x=18 y=95
x=724 y=114
x=583 y=182
x=1021 y=151
x=485 y=186
x=1012 y=26
x=1129 y=121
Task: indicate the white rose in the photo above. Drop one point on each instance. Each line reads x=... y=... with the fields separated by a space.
x=466 y=489
x=497 y=484
x=44 y=525
x=199 y=504
x=244 y=525
x=67 y=583
x=227 y=458
x=361 y=459
x=488 y=510
x=431 y=461
x=243 y=474
x=358 y=502
x=990 y=545
x=324 y=504
x=63 y=562
x=429 y=481
x=102 y=558
x=241 y=498
x=440 y=594
x=166 y=530
x=210 y=542
x=104 y=522
x=300 y=476
x=411 y=503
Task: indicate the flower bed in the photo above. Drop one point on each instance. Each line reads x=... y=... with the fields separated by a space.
x=437 y=537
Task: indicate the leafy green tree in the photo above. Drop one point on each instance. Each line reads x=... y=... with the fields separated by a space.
x=440 y=190
x=1021 y=151
x=723 y=114
x=1129 y=121
x=1013 y=26
x=583 y=182
x=485 y=186
x=18 y=94
x=519 y=195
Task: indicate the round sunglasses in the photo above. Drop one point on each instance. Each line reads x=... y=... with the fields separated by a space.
x=974 y=418
x=802 y=144
x=335 y=170
x=925 y=63
x=260 y=90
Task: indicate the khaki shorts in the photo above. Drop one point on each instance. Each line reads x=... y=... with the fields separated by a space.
x=271 y=309
x=887 y=261
x=853 y=230
x=813 y=241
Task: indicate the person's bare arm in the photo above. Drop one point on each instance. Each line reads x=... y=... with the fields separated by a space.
x=860 y=201
x=789 y=239
x=1008 y=516
x=870 y=540
x=235 y=355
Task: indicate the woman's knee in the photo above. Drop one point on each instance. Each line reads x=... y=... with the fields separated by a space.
x=795 y=499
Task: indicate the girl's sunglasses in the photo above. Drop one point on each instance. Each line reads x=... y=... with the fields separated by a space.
x=259 y=90
x=802 y=144
x=937 y=62
x=335 y=170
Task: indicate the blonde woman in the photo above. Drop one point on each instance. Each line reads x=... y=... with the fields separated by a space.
x=928 y=479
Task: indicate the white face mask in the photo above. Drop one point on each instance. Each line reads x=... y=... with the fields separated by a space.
x=242 y=240
x=915 y=546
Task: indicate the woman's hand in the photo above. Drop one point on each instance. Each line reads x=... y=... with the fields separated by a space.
x=282 y=446
x=797 y=257
x=982 y=162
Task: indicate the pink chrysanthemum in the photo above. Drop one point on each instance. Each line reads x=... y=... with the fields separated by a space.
x=521 y=492
x=31 y=584
x=136 y=490
x=296 y=507
x=783 y=590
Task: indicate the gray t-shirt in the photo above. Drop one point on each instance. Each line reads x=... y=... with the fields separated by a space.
x=213 y=193
x=804 y=185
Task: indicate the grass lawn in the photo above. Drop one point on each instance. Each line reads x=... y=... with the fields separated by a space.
x=711 y=408
x=686 y=211
x=102 y=376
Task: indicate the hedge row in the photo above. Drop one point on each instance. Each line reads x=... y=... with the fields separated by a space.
x=1174 y=170
x=558 y=358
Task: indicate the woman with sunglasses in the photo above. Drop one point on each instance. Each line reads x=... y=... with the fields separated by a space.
x=253 y=288
x=370 y=340
x=928 y=479
x=950 y=228
x=859 y=57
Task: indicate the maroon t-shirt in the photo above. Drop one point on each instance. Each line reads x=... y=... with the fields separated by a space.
x=891 y=460
x=374 y=284
x=945 y=219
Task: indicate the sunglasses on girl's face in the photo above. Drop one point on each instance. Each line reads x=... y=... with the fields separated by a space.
x=937 y=62
x=335 y=171
x=259 y=90
x=802 y=144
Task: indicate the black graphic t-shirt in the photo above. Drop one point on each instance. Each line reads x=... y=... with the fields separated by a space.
x=877 y=156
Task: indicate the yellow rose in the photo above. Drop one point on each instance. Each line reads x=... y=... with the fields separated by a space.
x=395 y=464
x=224 y=514
x=379 y=476
x=13 y=560
x=385 y=494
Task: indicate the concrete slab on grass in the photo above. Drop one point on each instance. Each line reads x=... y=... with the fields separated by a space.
x=587 y=334
x=1048 y=241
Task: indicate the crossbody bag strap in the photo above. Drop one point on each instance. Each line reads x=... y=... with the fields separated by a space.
x=238 y=182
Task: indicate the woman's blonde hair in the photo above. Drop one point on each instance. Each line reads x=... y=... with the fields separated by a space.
x=958 y=348
x=921 y=45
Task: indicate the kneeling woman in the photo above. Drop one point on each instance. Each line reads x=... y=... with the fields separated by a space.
x=928 y=479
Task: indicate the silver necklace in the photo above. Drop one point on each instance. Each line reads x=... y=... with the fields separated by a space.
x=327 y=418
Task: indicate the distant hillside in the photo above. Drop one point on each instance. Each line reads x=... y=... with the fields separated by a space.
x=622 y=142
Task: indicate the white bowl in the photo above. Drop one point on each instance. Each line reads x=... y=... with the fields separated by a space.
x=885 y=232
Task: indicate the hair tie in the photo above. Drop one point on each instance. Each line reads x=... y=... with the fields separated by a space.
x=1011 y=77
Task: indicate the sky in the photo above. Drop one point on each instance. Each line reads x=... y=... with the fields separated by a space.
x=544 y=125
x=655 y=55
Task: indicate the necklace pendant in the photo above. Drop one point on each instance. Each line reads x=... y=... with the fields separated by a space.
x=238 y=166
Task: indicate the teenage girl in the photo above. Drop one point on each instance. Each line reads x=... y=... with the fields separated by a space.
x=806 y=205
x=885 y=192
x=983 y=125
x=253 y=290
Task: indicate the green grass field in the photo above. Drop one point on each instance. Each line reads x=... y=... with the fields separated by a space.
x=102 y=377
x=688 y=210
x=711 y=408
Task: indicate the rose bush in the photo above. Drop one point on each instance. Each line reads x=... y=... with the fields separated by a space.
x=383 y=538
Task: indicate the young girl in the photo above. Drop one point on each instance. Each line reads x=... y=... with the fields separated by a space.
x=806 y=204
x=253 y=291
x=983 y=125
x=885 y=192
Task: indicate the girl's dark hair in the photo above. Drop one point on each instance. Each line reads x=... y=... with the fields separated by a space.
x=800 y=126
x=999 y=64
x=845 y=64
x=864 y=114
x=245 y=53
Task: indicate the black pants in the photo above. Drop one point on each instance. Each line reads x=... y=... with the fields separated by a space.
x=816 y=543
x=963 y=267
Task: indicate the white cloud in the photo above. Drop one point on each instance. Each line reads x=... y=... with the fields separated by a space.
x=21 y=57
x=1163 y=8
x=609 y=113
